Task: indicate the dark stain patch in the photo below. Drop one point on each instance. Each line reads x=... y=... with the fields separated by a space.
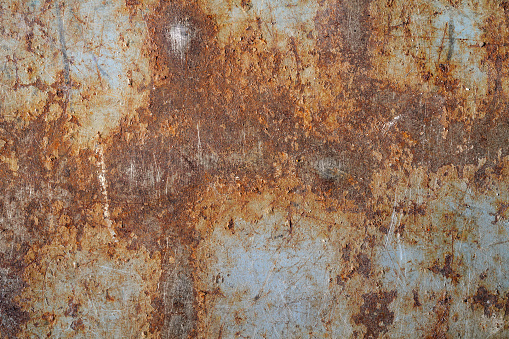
x=361 y=264
x=12 y=315
x=506 y=309
x=415 y=293
x=78 y=325
x=375 y=314
x=179 y=316
x=483 y=275
x=481 y=175
x=451 y=38
x=73 y=309
x=346 y=252
x=347 y=22
x=247 y=4
x=12 y=266
x=429 y=129
x=364 y=263
x=488 y=301
x=182 y=34
x=400 y=229
x=446 y=270
x=490 y=137
x=340 y=281
x=231 y=225
x=131 y=3
x=500 y=214
x=416 y=209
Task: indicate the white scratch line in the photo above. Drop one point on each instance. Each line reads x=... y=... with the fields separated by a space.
x=200 y=157
x=402 y=255
x=104 y=187
x=132 y=273
x=394 y=220
x=391 y=123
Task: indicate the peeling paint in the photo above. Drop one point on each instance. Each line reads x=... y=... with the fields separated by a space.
x=325 y=169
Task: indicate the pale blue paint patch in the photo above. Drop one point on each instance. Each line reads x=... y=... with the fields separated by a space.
x=407 y=267
x=98 y=53
x=287 y=16
x=277 y=285
x=33 y=5
x=463 y=35
x=279 y=19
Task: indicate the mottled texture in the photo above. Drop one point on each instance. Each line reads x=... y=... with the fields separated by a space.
x=250 y=168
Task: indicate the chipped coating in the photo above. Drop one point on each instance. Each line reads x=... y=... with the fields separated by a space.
x=254 y=168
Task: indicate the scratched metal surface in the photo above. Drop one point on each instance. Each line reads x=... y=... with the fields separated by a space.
x=254 y=169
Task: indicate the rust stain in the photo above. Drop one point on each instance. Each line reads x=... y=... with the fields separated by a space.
x=212 y=168
x=446 y=270
x=375 y=314
x=441 y=310
x=488 y=301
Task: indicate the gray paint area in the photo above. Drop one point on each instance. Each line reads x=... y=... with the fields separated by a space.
x=276 y=283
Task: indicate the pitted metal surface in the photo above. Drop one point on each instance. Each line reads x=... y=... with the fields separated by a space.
x=254 y=169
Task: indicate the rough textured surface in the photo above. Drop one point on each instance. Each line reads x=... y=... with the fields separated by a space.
x=254 y=169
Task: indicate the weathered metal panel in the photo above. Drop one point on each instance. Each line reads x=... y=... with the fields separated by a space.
x=254 y=169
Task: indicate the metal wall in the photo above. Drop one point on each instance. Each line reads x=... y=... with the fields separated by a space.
x=254 y=169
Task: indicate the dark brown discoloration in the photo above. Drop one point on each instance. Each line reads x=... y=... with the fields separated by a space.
x=12 y=314
x=346 y=252
x=364 y=264
x=77 y=325
x=489 y=302
x=417 y=303
x=231 y=225
x=375 y=314
x=179 y=302
x=500 y=213
x=446 y=270
x=73 y=309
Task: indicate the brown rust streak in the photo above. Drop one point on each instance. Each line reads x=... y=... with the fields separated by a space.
x=488 y=301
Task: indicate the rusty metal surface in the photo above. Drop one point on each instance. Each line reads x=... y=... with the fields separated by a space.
x=254 y=169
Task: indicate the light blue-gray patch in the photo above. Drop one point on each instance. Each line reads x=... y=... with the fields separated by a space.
x=286 y=15
x=283 y=286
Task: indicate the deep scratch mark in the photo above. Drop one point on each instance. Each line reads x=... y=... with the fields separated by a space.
x=451 y=39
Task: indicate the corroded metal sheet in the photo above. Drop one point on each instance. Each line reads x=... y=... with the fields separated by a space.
x=254 y=169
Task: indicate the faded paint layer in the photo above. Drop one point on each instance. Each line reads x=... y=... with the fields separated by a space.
x=260 y=169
